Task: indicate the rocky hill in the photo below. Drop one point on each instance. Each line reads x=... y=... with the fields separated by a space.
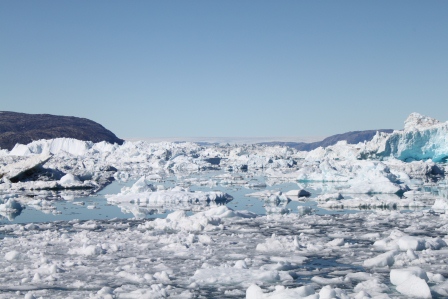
x=351 y=138
x=24 y=128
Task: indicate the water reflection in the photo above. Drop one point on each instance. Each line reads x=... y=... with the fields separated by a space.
x=10 y=214
x=440 y=190
x=51 y=205
x=276 y=205
x=141 y=210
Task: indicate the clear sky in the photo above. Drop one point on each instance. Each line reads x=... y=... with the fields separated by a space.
x=226 y=68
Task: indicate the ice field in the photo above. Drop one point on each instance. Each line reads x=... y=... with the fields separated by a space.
x=183 y=220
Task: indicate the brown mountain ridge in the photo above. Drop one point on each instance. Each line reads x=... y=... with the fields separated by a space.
x=24 y=128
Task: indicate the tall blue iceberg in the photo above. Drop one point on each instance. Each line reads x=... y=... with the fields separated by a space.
x=423 y=138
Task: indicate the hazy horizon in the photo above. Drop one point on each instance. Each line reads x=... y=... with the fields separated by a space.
x=230 y=139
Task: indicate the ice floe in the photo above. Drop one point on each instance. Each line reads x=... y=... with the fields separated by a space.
x=309 y=242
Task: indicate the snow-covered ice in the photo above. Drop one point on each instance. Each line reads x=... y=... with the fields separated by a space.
x=227 y=221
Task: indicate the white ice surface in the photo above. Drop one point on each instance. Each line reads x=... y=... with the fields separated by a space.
x=217 y=250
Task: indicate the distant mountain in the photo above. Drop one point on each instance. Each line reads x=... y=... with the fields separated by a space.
x=24 y=128
x=351 y=138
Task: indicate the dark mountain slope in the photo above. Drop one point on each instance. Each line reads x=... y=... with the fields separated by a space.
x=351 y=137
x=24 y=128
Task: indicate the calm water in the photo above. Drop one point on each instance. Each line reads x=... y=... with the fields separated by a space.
x=97 y=207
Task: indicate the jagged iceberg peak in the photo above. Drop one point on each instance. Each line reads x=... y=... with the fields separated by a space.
x=417 y=121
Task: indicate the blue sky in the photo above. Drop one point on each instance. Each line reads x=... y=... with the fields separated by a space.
x=226 y=68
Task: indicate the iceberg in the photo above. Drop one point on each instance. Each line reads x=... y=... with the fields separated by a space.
x=423 y=138
x=15 y=169
x=141 y=192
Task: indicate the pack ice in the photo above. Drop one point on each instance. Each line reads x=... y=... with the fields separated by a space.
x=368 y=220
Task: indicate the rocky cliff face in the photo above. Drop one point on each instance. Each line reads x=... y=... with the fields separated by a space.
x=24 y=128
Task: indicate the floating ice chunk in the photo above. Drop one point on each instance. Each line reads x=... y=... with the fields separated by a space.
x=67 y=182
x=295 y=259
x=414 y=194
x=328 y=281
x=327 y=292
x=155 y=291
x=255 y=292
x=359 y=276
x=68 y=197
x=33 y=185
x=207 y=220
x=226 y=212
x=365 y=295
x=235 y=276
x=277 y=244
x=414 y=169
x=141 y=186
x=90 y=250
x=69 y=179
x=13 y=170
x=411 y=254
x=382 y=260
x=370 y=236
x=325 y=171
x=162 y=277
x=408 y=242
x=12 y=255
x=398 y=276
x=280 y=266
x=240 y=264
x=441 y=204
x=336 y=242
x=401 y=241
x=48 y=269
x=373 y=186
x=361 y=176
x=374 y=177
x=105 y=291
x=440 y=290
x=334 y=152
x=371 y=286
x=435 y=277
x=415 y=287
x=265 y=193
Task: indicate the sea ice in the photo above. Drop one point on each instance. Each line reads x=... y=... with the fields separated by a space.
x=204 y=249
